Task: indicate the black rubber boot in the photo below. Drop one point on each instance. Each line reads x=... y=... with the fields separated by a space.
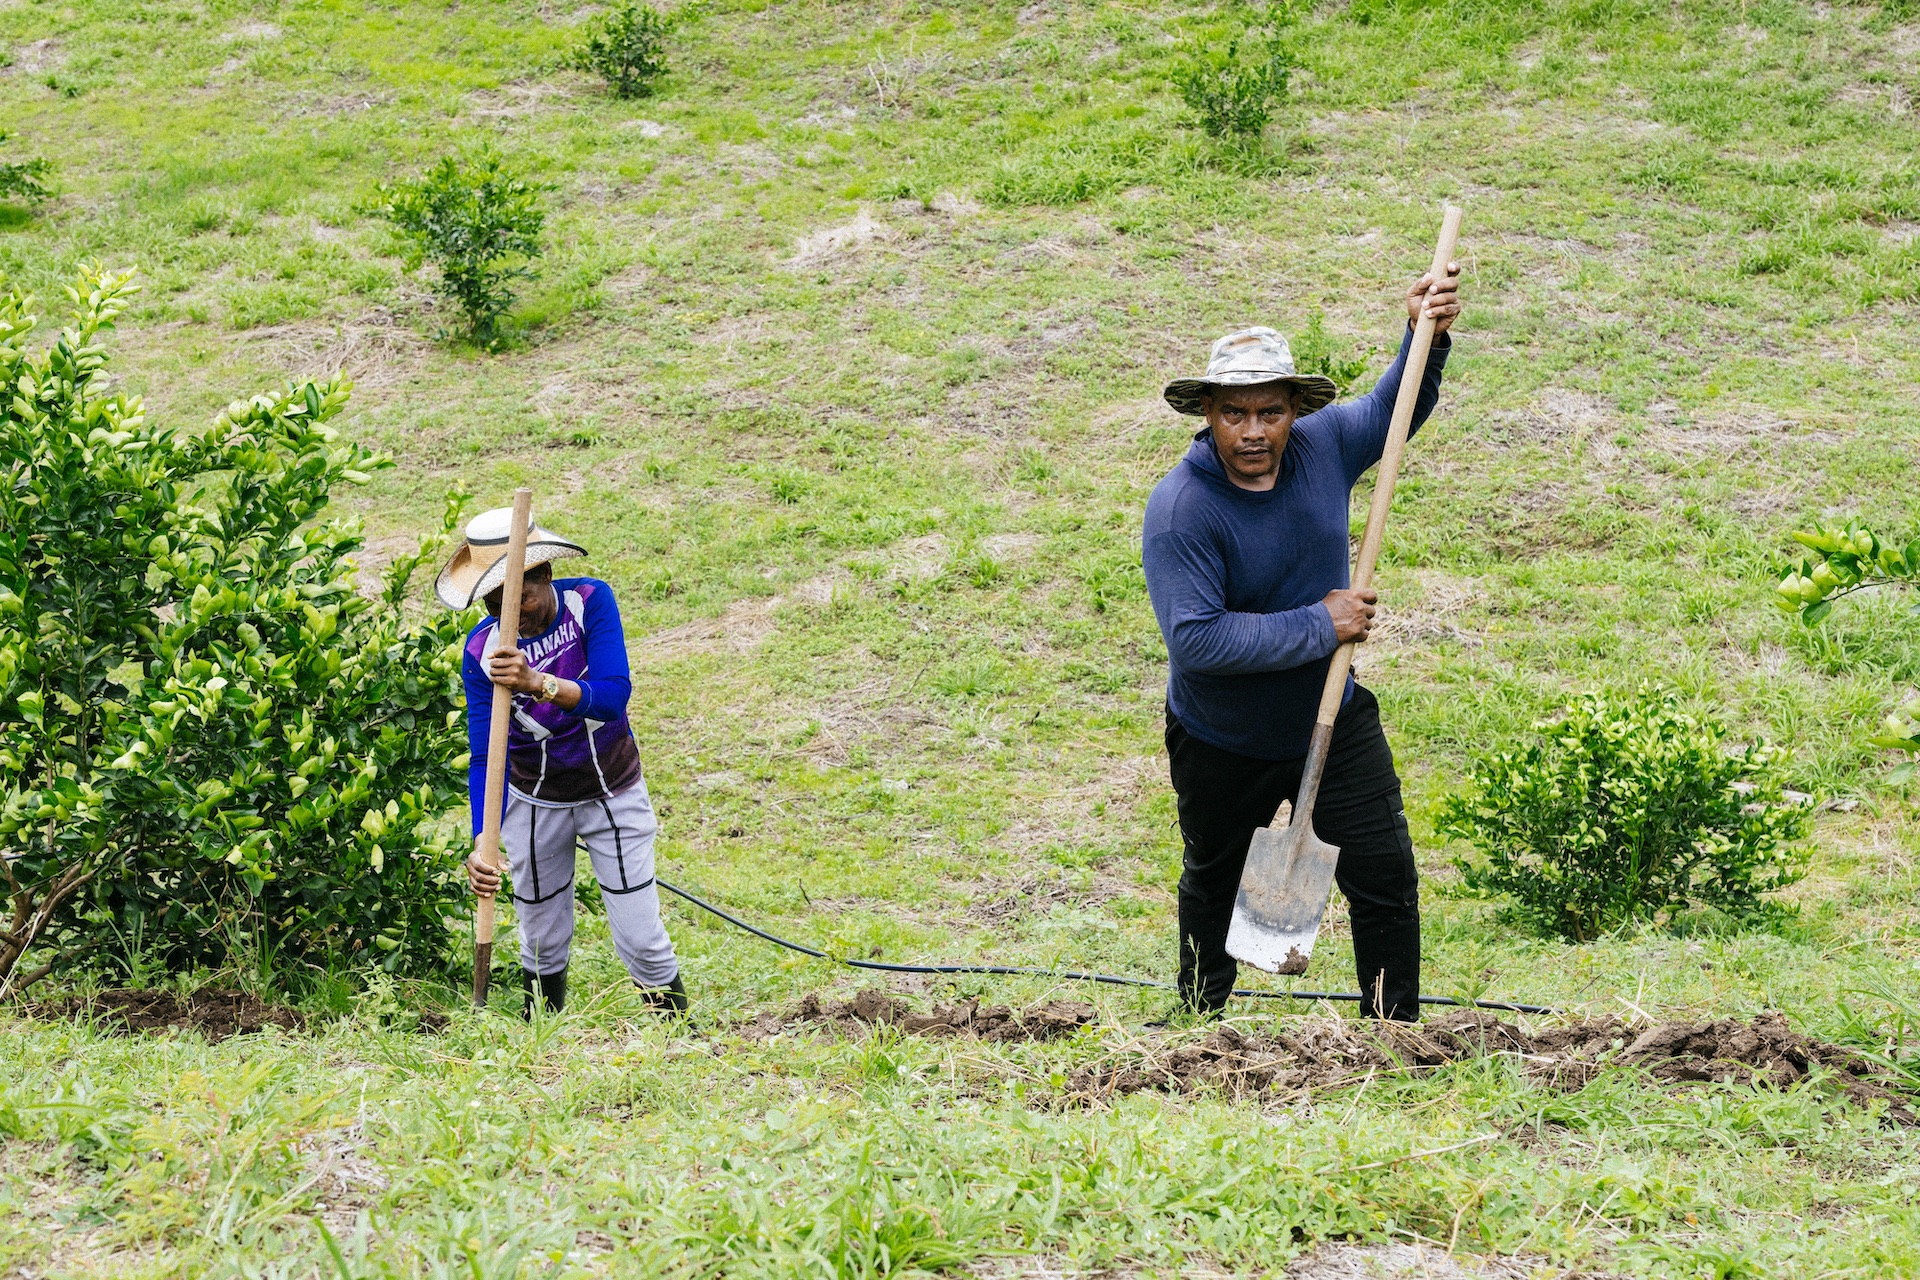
x=671 y=998
x=553 y=990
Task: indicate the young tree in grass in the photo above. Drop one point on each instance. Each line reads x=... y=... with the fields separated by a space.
x=1232 y=98
x=480 y=223
x=212 y=744
x=627 y=49
x=1627 y=808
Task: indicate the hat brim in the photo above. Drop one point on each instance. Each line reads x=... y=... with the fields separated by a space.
x=1315 y=392
x=468 y=576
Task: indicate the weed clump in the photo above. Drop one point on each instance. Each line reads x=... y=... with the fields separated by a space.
x=1626 y=809
x=22 y=179
x=1314 y=350
x=628 y=49
x=480 y=223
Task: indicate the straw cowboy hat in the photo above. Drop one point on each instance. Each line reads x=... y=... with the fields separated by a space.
x=480 y=563
x=1247 y=357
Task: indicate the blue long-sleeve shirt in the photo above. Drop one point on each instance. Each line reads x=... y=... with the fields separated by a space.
x=557 y=756
x=1236 y=576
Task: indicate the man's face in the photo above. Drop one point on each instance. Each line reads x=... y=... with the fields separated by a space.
x=1250 y=429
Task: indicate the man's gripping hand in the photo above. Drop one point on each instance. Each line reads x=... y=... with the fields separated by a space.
x=1437 y=298
x=1352 y=612
x=482 y=877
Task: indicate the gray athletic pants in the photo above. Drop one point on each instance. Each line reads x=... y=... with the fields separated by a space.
x=618 y=835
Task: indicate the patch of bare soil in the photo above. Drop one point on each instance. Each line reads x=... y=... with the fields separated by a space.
x=214 y=1012
x=1409 y=1262
x=873 y=1007
x=1320 y=1051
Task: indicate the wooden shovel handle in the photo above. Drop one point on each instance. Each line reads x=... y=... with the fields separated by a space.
x=507 y=634
x=1410 y=379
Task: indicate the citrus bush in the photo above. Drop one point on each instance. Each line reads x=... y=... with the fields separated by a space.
x=627 y=49
x=1230 y=97
x=1627 y=808
x=1854 y=558
x=213 y=748
x=480 y=223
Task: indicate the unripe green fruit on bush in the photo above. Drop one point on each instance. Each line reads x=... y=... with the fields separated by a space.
x=167 y=590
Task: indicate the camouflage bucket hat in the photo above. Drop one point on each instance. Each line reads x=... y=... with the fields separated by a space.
x=1245 y=358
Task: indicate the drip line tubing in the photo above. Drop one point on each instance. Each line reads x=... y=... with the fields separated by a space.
x=1066 y=975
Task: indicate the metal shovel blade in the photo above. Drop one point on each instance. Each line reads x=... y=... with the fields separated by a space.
x=1283 y=894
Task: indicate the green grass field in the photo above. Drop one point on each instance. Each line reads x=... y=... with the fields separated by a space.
x=845 y=361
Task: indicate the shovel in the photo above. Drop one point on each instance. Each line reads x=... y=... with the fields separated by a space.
x=1283 y=890
x=508 y=634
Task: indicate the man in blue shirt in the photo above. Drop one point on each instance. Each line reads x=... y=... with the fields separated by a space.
x=1246 y=557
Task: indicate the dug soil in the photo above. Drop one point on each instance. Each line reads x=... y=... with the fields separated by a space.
x=992 y=1022
x=214 y=1012
x=1317 y=1051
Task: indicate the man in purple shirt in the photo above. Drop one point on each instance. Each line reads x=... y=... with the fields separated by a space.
x=573 y=771
x=1246 y=556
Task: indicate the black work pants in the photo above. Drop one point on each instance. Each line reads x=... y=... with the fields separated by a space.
x=1224 y=797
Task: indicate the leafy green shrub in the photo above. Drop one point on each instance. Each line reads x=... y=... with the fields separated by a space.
x=1232 y=99
x=21 y=179
x=210 y=741
x=1853 y=558
x=1627 y=809
x=1313 y=352
x=628 y=49
x=480 y=223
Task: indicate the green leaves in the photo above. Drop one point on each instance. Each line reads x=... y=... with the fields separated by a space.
x=22 y=179
x=627 y=49
x=480 y=223
x=1854 y=559
x=1232 y=98
x=1627 y=808
x=198 y=700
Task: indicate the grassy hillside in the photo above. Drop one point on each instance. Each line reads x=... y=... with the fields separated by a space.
x=845 y=362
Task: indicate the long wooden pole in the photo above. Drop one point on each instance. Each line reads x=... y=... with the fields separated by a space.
x=507 y=636
x=1411 y=376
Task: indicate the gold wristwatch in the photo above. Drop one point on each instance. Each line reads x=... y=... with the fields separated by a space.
x=549 y=688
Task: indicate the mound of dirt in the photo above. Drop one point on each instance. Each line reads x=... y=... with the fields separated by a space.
x=874 y=1007
x=1318 y=1051
x=214 y=1012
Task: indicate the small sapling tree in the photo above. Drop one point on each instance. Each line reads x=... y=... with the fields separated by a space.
x=1853 y=558
x=210 y=740
x=480 y=223
x=1232 y=98
x=1624 y=809
x=23 y=179
x=628 y=49
x=1314 y=349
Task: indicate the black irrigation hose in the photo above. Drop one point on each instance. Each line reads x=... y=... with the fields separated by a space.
x=1111 y=979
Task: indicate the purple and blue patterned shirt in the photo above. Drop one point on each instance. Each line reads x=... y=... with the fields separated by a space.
x=557 y=757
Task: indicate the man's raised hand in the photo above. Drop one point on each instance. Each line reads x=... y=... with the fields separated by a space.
x=1352 y=612
x=1439 y=299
